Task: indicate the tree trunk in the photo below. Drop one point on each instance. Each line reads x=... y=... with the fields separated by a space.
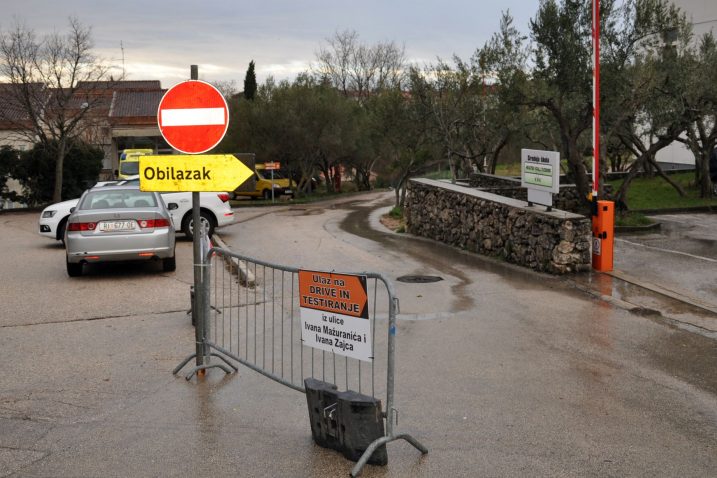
x=621 y=194
x=397 y=193
x=452 y=166
x=664 y=176
x=577 y=168
x=704 y=174
x=59 y=167
x=496 y=152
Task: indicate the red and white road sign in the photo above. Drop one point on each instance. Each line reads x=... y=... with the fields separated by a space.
x=193 y=117
x=272 y=165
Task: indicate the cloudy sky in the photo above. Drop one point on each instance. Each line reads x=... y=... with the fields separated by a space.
x=161 y=38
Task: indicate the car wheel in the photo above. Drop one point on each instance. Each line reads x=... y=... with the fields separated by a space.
x=207 y=224
x=267 y=194
x=74 y=269
x=169 y=264
x=61 y=231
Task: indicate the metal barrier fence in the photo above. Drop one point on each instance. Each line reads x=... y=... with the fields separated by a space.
x=249 y=312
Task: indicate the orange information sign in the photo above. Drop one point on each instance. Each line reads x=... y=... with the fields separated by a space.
x=272 y=166
x=338 y=293
x=334 y=313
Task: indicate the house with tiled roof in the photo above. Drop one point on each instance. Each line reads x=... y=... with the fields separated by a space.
x=124 y=115
x=15 y=124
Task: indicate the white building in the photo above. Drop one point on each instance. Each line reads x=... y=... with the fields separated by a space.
x=703 y=15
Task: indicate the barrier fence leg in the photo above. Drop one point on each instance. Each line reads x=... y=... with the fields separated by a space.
x=200 y=311
x=390 y=382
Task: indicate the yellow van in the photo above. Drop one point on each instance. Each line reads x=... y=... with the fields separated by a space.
x=129 y=162
x=282 y=186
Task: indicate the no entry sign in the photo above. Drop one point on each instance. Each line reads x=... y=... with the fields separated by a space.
x=193 y=117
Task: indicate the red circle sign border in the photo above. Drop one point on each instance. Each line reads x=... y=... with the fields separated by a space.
x=226 y=124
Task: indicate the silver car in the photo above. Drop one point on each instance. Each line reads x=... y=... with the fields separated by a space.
x=119 y=223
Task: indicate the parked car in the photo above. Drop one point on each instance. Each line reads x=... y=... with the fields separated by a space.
x=129 y=162
x=117 y=224
x=214 y=210
x=281 y=185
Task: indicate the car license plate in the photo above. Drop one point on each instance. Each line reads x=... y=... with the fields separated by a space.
x=117 y=226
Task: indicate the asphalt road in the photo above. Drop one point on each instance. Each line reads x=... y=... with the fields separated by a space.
x=500 y=372
x=682 y=254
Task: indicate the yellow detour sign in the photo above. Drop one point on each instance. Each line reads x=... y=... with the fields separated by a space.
x=195 y=173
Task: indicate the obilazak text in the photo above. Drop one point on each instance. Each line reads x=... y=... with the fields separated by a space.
x=169 y=173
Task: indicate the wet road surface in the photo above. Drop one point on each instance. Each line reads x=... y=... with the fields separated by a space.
x=500 y=372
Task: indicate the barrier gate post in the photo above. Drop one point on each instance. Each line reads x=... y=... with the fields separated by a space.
x=603 y=236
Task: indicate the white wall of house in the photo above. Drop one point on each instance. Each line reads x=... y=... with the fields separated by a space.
x=703 y=15
x=676 y=156
x=15 y=140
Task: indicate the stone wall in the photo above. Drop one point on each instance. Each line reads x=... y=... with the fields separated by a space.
x=567 y=199
x=557 y=242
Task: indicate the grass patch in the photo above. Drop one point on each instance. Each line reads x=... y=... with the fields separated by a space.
x=656 y=193
x=632 y=219
x=396 y=212
x=437 y=175
x=394 y=220
x=510 y=169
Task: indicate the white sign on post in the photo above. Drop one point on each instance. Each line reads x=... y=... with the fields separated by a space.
x=540 y=174
x=334 y=313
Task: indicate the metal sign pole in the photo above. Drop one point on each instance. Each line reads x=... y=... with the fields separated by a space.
x=272 y=184
x=198 y=310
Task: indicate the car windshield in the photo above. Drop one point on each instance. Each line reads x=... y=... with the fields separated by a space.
x=118 y=199
x=129 y=168
x=266 y=173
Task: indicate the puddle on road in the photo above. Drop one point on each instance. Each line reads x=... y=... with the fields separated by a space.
x=652 y=305
x=450 y=262
x=301 y=211
x=678 y=236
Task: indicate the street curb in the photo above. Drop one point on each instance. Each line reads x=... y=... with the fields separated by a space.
x=622 y=304
x=236 y=266
x=710 y=209
x=680 y=296
x=651 y=227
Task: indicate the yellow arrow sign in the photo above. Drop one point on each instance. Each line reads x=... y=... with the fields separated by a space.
x=195 y=173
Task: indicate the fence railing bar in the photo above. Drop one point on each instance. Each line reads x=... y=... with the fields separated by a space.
x=282 y=324
x=256 y=368
x=238 y=282
x=292 y=334
x=273 y=316
x=373 y=336
x=224 y=276
x=246 y=316
x=256 y=277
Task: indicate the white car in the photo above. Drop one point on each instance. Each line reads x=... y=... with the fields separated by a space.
x=214 y=210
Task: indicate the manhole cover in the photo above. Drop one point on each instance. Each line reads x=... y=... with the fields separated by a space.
x=419 y=279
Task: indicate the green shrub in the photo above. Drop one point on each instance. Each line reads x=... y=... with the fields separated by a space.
x=36 y=171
